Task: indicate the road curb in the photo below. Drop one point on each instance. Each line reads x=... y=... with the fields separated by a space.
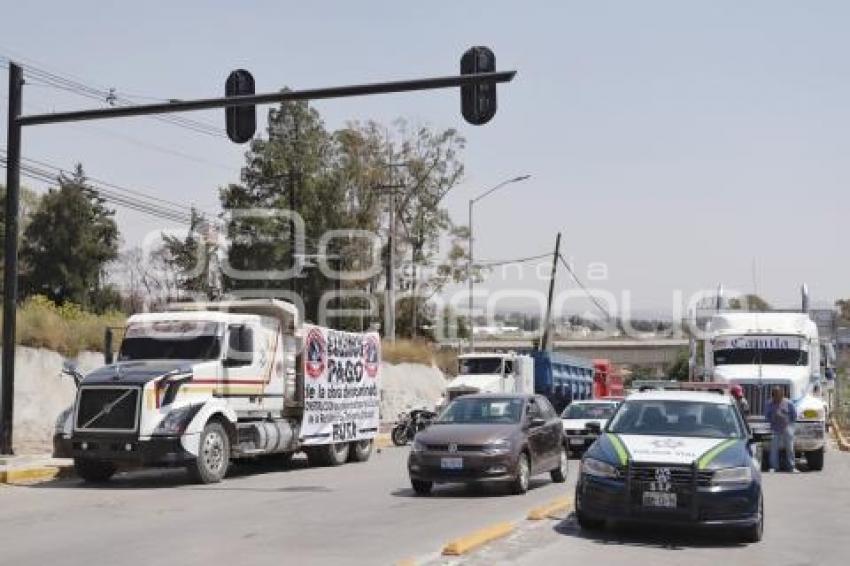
x=35 y=474
x=470 y=542
x=551 y=510
x=842 y=442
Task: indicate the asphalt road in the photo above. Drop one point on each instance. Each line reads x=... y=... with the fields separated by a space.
x=807 y=522
x=355 y=514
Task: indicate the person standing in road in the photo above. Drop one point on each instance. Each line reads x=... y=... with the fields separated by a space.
x=781 y=415
x=743 y=405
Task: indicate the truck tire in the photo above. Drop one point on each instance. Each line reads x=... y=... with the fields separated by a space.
x=213 y=455
x=360 y=451
x=519 y=485
x=94 y=471
x=328 y=454
x=422 y=487
x=559 y=474
x=814 y=460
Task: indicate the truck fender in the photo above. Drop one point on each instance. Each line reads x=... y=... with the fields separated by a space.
x=213 y=408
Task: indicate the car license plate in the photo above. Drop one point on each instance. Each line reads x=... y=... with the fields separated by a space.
x=451 y=463
x=577 y=441
x=659 y=499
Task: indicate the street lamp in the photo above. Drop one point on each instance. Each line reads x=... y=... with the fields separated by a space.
x=469 y=269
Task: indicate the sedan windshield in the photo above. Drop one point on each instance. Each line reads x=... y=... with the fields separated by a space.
x=482 y=410
x=589 y=411
x=676 y=418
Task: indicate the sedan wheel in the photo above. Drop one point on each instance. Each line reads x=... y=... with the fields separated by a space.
x=559 y=474
x=521 y=480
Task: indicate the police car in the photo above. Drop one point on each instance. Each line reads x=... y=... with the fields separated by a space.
x=673 y=457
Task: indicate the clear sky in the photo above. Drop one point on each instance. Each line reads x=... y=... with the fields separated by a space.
x=674 y=141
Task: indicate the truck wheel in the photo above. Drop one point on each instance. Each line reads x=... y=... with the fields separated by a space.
x=814 y=460
x=519 y=485
x=94 y=471
x=422 y=487
x=559 y=474
x=328 y=454
x=213 y=456
x=360 y=451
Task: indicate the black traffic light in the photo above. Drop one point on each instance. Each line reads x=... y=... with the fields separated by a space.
x=478 y=101
x=241 y=121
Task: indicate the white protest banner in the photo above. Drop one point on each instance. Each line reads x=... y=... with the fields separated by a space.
x=341 y=386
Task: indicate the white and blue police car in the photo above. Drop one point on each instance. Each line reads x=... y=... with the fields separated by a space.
x=673 y=457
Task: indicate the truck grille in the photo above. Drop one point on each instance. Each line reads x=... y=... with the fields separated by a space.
x=758 y=395
x=108 y=409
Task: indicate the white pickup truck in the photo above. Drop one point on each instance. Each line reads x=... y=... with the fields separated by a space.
x=202 y=384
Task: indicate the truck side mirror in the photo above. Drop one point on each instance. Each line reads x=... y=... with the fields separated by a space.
x=70 y=368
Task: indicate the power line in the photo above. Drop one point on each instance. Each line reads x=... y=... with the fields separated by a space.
x=110 y=192
x=583 y=288
x=42 y=77
x=496 y=263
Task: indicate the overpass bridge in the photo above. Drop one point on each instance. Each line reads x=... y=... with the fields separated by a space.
x=657 y=354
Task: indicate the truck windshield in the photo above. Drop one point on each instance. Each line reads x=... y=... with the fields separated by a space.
x=474 y=366
x=171 y=341
x=747 y=356
x=589 y=411
x=676 y=418
x=480 y=410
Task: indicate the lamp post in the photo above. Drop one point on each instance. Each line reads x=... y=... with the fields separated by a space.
x=469 y=269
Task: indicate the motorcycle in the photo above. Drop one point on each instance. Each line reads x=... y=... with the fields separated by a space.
x=409 y=424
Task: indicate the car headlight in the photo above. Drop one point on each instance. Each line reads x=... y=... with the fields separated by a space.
x=502 y=446
x=176 y=421
x=62 y=419
x=418 y=446
x=743 y=474
x=598 y=468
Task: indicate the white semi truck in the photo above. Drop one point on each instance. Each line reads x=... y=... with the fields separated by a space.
x=202 y=384
x=763 y=350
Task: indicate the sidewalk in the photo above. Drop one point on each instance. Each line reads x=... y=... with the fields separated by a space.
x=32 y=468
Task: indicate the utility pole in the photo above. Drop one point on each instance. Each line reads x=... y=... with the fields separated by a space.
x=546 y=338
x=477 y=104
x=10 y=267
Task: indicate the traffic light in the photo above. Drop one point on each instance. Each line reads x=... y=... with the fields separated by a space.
x=241 y=121
x=478 y=101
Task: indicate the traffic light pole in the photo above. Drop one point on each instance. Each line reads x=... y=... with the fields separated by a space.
x=10 y=266
x=13 y=172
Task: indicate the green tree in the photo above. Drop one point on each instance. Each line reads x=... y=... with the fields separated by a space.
x=193 y=258
x=69 y=241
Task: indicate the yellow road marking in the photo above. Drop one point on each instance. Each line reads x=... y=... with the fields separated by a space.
x=551 y=509
x=462 y=545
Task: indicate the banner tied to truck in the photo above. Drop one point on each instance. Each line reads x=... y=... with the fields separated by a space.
x=341 y=386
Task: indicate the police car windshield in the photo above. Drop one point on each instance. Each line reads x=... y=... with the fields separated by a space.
x=589 y=411
x=676 y=418
x=481 y=410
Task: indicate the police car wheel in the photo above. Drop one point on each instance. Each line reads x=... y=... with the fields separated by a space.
x=94 y=471
x=360 y=451
x=755 y=532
